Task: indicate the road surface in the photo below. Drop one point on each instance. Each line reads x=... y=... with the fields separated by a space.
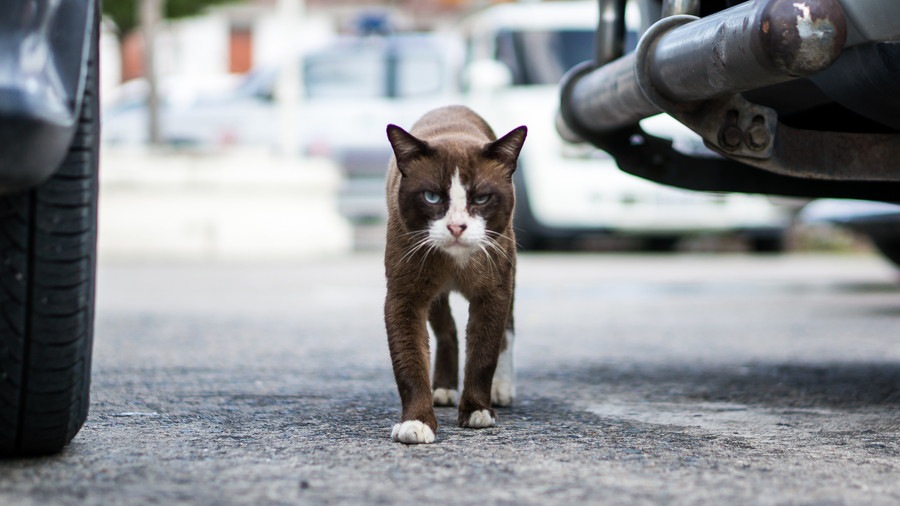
x=682 y=379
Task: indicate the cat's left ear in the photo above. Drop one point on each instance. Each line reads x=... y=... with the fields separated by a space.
x=506 y=149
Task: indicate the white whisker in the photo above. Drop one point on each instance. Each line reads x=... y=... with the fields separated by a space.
x=416 y=246
x=496 y=246
x=431 y=247
x=487 y=255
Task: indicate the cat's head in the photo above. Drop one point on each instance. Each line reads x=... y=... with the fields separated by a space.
x=456 y=193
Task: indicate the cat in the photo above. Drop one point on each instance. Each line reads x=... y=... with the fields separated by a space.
x=450 y=200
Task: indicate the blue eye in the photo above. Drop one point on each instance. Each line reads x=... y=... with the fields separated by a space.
x=481 y=199
x=432 y=198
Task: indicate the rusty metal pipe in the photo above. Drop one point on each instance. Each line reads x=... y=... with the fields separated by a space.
x=749 y=46
x=682 y=59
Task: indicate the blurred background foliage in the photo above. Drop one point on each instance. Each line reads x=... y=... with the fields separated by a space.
x=126 y=13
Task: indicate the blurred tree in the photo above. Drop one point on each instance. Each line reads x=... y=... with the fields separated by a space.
x=129 y=15
x=124 y=13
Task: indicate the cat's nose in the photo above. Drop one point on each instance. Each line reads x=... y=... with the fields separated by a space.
x=456 y=230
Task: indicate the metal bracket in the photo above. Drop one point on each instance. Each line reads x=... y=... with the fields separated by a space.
x=734 y=127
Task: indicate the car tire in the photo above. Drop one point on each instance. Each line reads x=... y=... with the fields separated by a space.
x=48 y=238
x=889 y=247
x=660 y=244
x=768 y=244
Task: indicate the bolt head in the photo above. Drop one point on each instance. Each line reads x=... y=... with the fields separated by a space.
x=757 y=137
x=730 y=137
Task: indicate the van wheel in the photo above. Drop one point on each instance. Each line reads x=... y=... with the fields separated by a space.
x=889 y=247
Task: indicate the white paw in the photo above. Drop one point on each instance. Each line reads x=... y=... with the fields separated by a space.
x=503 y=393
x=480 y=419
x=412 y=432
x=445 y=397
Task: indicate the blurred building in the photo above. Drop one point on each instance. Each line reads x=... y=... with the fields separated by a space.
x=233 y=38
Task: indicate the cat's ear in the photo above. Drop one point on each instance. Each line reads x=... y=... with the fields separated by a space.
x=406 y=146
x=506 y=149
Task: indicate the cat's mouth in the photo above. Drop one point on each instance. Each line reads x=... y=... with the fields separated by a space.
x=457 y=243
x=458 y=246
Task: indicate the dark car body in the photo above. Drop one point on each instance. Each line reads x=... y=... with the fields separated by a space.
x=879 y=221
x=44 y=49
x=796 y=98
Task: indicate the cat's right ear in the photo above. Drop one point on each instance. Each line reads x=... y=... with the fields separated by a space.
x=406 y=146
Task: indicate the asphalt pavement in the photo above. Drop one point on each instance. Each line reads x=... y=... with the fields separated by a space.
x=644 y=379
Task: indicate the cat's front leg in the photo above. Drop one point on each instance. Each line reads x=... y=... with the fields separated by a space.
x=408 y=345
x=484 y=336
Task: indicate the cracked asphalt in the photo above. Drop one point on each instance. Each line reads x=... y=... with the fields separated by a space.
x=672 y=379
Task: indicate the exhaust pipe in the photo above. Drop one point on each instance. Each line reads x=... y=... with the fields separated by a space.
x=683 y=59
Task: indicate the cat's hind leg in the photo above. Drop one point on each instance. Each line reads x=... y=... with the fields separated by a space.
x=446 y=362
x=485 y=333
x=503 y=386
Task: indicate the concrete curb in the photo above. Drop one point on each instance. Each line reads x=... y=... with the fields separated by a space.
x=228 y=206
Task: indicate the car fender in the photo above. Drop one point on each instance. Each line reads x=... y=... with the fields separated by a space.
x=44 y=48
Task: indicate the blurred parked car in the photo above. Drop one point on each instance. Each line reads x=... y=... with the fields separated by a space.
x=352 y=88
x=880 y=221
x=516 y=55
x=49 y=133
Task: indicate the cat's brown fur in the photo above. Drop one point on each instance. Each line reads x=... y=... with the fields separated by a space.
x=448 y=142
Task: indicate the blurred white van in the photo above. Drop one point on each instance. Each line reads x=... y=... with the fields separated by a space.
x=354 y=85
x=515 y=57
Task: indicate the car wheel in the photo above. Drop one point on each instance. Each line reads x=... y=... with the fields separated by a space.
x=767 y=244
x=889 y=246
x=48 y=238
x=660 y=244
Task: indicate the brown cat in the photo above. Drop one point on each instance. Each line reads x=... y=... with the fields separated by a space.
x=450 y=203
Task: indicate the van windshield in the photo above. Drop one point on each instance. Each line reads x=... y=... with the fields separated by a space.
x=542 y=57
x=372 y=68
